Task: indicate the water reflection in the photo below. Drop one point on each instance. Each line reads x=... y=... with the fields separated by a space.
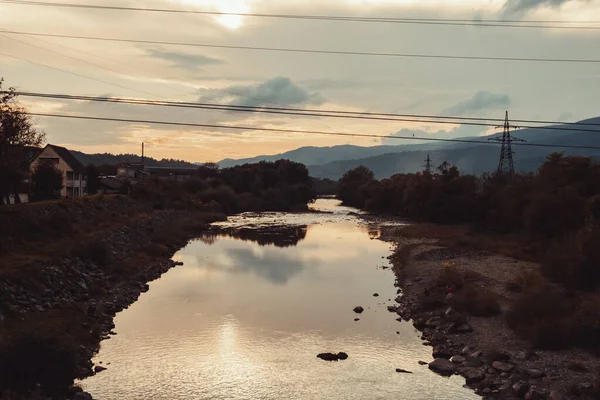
x=243 y=321
x=277 y=235
x=275 y=267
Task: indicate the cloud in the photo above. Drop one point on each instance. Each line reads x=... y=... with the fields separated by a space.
x=520 y=7
x=481 y=101
x=277 y=91
x=187 y=61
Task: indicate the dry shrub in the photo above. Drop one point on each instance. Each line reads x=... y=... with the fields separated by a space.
x=526 y=279
x=542 y=317
x=96 y=251
x=450 y=276
x=477 y=301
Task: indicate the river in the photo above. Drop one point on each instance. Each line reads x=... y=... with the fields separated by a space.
x=246 y=314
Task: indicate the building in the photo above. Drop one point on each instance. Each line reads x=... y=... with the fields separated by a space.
x=74 y=180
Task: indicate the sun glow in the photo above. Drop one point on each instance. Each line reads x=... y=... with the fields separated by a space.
x=224 y=6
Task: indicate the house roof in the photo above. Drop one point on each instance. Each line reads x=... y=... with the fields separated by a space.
x=111 y=182
x=68 y=157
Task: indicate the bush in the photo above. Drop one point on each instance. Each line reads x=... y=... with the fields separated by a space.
x=477 y=301
x=574 y=260
x=96 y=251
x=526 y=279
x=30 y=359
x=542 y=317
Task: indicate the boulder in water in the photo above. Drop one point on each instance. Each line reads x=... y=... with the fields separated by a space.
x=333 y=356
x=358 y=309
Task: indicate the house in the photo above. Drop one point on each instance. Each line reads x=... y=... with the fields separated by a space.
x=74 y=180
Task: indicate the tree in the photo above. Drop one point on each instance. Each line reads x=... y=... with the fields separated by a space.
x=47 y=181
x=18 y=140
x=93 y=179
x=351 y=185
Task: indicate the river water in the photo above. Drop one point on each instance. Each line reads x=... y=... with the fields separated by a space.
x=248 y=312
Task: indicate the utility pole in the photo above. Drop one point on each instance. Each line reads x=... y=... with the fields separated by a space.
x=428 y=165
x=506 y=164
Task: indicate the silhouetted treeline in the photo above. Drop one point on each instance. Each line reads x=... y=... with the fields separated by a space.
x=114 y=159
x=558 y=207
x=266 y=186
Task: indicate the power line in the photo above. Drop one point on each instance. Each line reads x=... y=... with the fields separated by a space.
x=404 y=20
x=317 y=113
x=278 y=130
x=311 y=51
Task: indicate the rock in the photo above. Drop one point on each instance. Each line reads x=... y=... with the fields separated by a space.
x=392 y=308
x=99 y=368
x=178 y=263
x=521 y=389
x=464 y=328
x=521 y=356
x=486 y=391
x=422 y=363
x=585 y=388
x=441 y=352
x=502 y=367
x=476 y=354
x=82 y=396
x=533 y=394
x=555 y=395
x=358 y=309
x=433 y=322
x=397 y=332
x=375 y=294
x=458 y=359
x=402 y=371
x=333 y=356
x=535 y=373
x=473 y=362
x=442 y=366
x=504 y=386
x=465 y=350
x=73 y=390
x=472 y=375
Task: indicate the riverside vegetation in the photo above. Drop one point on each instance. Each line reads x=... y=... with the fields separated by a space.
x=550 y=220
x=68 y=266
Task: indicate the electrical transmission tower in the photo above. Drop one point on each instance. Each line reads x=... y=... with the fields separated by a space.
x=506 y=164
x=427 y=165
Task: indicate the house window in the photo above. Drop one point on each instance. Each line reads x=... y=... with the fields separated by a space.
x=76 y=176
x=69 y=192
x=76 y=192
x=69 y=175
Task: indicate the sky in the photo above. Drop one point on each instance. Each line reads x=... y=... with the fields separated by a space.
x=473 y=88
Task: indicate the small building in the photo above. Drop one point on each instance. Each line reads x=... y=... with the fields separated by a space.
x=111 y=185
x=74 y=180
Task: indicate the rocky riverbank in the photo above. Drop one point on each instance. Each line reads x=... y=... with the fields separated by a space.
x=64 y=307
x=473 y=340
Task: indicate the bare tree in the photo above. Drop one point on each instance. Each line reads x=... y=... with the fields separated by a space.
x=18 y=140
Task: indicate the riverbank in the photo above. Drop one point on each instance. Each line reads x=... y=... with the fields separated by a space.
x=467 y=326
x=57 y=307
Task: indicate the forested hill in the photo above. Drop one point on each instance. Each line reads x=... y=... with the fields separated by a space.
x=113 y=159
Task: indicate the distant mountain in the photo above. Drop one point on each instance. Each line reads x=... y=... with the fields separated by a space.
x=311 y=155
x=333 y=162
x=113 y=159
